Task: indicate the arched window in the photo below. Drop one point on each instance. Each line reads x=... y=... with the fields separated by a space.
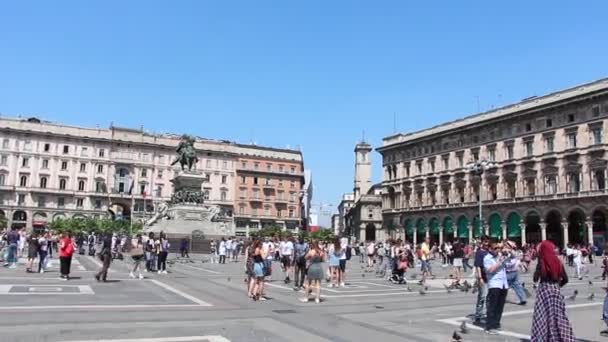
x=62 y=183
x=23 y=181
x=43 y=182
x=81 y=185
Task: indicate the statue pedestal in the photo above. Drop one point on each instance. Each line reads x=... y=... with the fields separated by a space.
x=188 y=213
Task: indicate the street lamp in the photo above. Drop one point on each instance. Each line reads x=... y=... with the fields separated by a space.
x=478 y=168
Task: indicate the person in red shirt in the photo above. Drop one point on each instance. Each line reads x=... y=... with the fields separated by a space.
x=66 y=250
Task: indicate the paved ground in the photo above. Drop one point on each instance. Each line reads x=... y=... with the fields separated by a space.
x=207 y=302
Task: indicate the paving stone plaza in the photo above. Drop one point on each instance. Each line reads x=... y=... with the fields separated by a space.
x=199 y=301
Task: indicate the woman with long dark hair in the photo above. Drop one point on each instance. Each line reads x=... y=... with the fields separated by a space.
x=550 y=322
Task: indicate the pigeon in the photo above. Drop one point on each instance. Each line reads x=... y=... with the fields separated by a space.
x=379 y=307
x=422 y=292
x=591 y=296
x=590 y=283
x=456 y=337
x=573 y=296
x=426 y=288
x=463 y=327
x=447 y=288
x=362 y=275
x=228 y=278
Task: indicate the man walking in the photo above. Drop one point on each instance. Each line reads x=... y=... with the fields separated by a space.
x=425 y=260
x=106 y=258
x=300 y=250
x=13 y=240
x=494 y=265
x=480 y=275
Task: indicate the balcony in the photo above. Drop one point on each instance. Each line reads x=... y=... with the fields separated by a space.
x=255 y=199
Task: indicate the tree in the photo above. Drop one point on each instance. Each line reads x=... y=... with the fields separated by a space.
x=3 y=222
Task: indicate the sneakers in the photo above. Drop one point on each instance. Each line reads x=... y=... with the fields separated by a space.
x=342 y=284
x=41 y=271
x=141 y=276
x=131 y=275
x=159 y=271
x=165 y=272
x=317 y=300
x=303 y=299
x=13 y=266
x=492 y=332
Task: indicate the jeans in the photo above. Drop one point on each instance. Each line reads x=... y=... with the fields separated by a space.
x=150 y=261
x=496 y=304
x=482 y=292
x=162 y=261
x=222 y=259
x=41 y=260
x=103 y=272
x=299 y=274
x=12 y=254
x=465 y=265
x=513 y=280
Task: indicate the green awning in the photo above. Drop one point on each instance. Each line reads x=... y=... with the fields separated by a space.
x=448 y=226
x=463 y=227
x=495 y=226
x=513 y=227
x=409 y=227
x=477 y=231
x=434 y=226
x=420 y=226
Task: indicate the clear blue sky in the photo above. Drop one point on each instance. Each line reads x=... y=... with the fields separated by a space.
x=312 y=74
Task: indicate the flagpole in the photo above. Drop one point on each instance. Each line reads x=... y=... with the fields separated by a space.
x=132 y=213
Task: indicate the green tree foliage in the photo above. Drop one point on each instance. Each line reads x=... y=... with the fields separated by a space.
x=95 y=225
x=3 y=222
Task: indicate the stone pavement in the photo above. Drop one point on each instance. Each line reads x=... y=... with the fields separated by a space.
x=200 y=301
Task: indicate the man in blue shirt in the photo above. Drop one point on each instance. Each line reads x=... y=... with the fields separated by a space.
x=482 y=289
x=494 y=264
x=13 y=240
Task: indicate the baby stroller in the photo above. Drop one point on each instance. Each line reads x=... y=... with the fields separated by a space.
x=398 y=274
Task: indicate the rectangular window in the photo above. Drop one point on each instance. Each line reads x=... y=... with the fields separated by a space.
x=79 y=202
x=446 y=164
x=208 y=163
x=291 y=212
x=159 y=174
x=142 y=189
x=45 y=163
x=292 y=184
x=572 y=140
x=64 y=165
x=223 y=195
x=102 y=153
x=528 y=127
x=549 y=123
x=549 y=144
x=66 y=149
x=256 y=166
x=597 y=136
x=243 y=179
x=97 y=204
x=242 y=210
x=243 y=165
x=432 y=166
x=460 y=160
x=267 y=211
x=61 y=202
x=83 y=167
x=47 y=147
x=293 y=169
x=206 y=195
x=281 y=168
x=224 y=165
x=492 y=154
x=5 y=143
x=224 y=179
x=269 y=167
x=570 y=117
x=21 y=199
x=595 y=111
x=529 y=145
x=419 y=166
x=3 y=160
x=144 y=173
x=84 y=152
x=510 y=153
x=25 y=162
x=255 y=180
x=99 y=168
x=551 y=183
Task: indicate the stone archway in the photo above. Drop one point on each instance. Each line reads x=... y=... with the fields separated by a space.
x=576 y=227
x=463 y=229
x=420 y=230
x=514 y=227
x=434 y=230
x=370 y=232
x=533 y=232
x=448 y=229
x=408 y=226
x=600 y=233
x=554 y=229
x=19 y=219
x=495 y=226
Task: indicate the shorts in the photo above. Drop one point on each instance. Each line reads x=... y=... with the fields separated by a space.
x=286 y=261
x=343 y=265
x=259 y=270
x=425 y=266
x=457 y=262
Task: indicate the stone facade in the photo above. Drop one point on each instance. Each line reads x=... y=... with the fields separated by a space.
x=50 y=171
x=549 y=179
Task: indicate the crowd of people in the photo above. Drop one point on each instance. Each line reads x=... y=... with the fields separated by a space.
x=496 y=266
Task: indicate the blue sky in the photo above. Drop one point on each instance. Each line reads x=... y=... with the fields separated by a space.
x=313 y=74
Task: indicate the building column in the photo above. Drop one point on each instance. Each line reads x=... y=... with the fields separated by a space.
x=415 y=236
x=440 y=236
x=427 y=233
x=455 y=234
x=565 y=232
x=470 y=233
x=589 y=224
x=503 y=225
x=522 y=228
x=247 y=229
x=543 y=230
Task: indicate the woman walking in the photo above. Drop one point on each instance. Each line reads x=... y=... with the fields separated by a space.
x=137 y=254
x=315 y=272
x=32 y=252
x=43 y=246
x=550 y=322
x=66 y=250
x=335 y=252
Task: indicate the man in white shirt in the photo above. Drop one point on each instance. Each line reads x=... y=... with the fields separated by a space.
x=346 y=248
x=286 y=252
x=222 y=251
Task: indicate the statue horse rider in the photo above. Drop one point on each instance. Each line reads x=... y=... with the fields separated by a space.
x=186 y=154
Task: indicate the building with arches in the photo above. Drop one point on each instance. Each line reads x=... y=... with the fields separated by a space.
x=50 y=171
x=549 y=179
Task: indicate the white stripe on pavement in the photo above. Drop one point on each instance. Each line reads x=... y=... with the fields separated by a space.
x=214 y=338
x=199 y=268
x=96 y=307
x=180 y=293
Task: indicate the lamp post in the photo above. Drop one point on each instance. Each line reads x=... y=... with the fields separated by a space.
x=478 y=168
